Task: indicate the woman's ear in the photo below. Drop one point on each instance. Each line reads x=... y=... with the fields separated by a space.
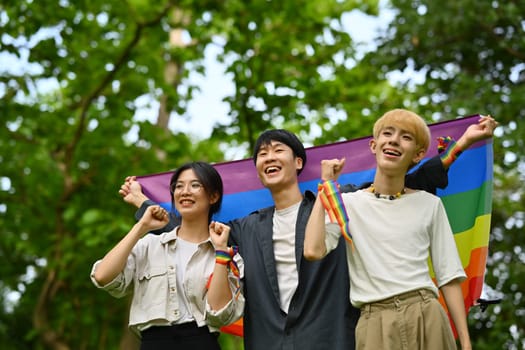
x=214 y=197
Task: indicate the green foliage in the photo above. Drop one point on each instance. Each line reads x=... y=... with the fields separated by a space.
x=69 y=133
x=65 y=150
x=289 y=64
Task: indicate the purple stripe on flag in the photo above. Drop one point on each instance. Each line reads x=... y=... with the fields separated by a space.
x=241 y=175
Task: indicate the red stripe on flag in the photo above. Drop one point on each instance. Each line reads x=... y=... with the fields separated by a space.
x=236 y=328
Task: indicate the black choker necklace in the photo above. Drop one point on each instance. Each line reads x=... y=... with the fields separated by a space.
x=385 y=196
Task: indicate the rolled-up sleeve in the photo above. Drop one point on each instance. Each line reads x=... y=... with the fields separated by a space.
x=118 y=287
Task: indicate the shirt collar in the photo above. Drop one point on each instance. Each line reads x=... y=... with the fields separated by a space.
x=170 y=236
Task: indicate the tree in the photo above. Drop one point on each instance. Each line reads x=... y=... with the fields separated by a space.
x=69 y=133
x=67 y=140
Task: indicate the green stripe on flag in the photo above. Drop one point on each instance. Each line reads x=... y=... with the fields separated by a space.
x=463 y=208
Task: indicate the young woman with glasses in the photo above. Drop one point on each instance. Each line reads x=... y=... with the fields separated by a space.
x=185 y=282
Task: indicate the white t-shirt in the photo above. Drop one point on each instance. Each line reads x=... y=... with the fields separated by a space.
x=392 y=241
x=284 y=249
x=183 y=252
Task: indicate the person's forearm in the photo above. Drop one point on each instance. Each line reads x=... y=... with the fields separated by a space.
x=219 y=293
x=456 y=307
x=482 y=130
x=463 y=143
x=138 y=199
x=115 y=260
x=314 y=242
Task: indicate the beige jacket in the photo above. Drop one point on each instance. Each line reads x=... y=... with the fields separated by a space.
x=151 y=275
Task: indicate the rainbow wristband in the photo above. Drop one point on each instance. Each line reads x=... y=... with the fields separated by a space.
x=449 y=150
x=225 y=257
x=222 y=257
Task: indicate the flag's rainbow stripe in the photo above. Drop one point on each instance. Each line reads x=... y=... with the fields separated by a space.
x=467 y=199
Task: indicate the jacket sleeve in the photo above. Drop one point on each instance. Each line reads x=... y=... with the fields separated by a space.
x=348 y=188
x=430 y=176
x=121 y=285
x=174 y=220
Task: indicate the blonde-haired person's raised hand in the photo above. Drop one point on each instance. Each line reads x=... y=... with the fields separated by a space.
x=482 y=130
x=219 y=234
x=332 y=168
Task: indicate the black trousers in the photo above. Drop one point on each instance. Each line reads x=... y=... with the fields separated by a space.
x=181 y=336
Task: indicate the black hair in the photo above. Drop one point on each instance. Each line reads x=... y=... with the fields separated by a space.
x=284 y=136
x=208 y=176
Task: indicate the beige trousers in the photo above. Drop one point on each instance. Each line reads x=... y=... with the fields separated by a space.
x=410 y=321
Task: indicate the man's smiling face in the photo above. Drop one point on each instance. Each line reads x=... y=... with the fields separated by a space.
x=276 y=164
x=395 y=147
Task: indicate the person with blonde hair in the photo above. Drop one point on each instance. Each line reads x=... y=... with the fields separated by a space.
x=391 y=230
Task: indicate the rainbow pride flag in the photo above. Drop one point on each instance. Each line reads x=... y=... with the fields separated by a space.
x=467 y=199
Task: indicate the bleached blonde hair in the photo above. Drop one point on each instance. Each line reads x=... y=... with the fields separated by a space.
x=405 y=120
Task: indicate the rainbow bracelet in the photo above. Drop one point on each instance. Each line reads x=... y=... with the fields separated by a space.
x=448 y=150
x=225 y=257
x=222 y=257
